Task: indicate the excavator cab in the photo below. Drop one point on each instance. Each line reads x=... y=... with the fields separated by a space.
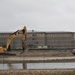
x=2 y=50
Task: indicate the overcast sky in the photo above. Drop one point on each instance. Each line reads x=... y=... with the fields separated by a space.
x=40 y=15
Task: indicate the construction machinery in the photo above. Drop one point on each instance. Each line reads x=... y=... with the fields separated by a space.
x=73 y=51
x=12 y=36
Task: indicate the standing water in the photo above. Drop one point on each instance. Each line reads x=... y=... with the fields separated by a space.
x=61 y=65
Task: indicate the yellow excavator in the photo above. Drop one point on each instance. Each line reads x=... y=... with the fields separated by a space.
x=12 y=36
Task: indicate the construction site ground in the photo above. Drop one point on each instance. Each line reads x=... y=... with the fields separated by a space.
x=45 y=53
x=37 y=54
x=38 y=72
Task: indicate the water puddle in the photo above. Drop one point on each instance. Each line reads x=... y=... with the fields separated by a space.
x=61 y=65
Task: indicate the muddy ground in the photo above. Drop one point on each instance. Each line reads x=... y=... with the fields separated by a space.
x=30 y=54
x=47 y=53
x=38 y=72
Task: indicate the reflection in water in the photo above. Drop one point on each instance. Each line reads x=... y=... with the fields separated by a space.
x=67 y=65
x=15 y=66
x=11 y=66
x=24 y=65
x=3 y=67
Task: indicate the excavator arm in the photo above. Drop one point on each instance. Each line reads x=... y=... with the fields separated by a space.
x=24 y=38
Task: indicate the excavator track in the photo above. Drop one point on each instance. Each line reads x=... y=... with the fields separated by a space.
x=7 y=54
